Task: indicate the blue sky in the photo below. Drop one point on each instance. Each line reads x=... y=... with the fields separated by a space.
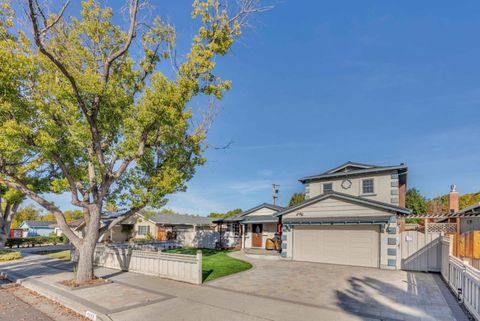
x=318 y=83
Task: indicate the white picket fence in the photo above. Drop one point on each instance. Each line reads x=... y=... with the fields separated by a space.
x=180 y=267
x=463 y=279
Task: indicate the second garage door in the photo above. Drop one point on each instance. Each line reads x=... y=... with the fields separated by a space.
x=350 y=245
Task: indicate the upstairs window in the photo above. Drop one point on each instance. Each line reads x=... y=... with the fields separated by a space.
x=327 y=187
x=143 y=229
x=367 y=186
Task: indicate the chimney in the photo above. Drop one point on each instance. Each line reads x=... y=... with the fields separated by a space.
x=453 y=200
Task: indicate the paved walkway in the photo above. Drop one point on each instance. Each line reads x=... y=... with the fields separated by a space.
x=138 y=297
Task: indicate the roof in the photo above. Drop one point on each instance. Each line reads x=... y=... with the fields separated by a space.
x=338 y=220
x=259 y=219
x=353 y=168
x=473 y=210
x=346 y=197
x=178 y=219
x=73 y=223
x=38 y=223
x=243 y=216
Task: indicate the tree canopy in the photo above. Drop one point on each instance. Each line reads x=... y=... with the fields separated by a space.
x=415 y=201
x=296 y=199
x=230 y=213
x=88 y=111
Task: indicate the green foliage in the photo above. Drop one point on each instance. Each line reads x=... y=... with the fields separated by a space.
x=415 y=201
x=148 y=237
x=230 y=213
x=440 y=204
x=28 y=213
x=9 y=255
x=72 y=112
x=296 y=199
x=33 y=241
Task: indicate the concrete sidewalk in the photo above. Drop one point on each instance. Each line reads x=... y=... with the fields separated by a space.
x=133 y=296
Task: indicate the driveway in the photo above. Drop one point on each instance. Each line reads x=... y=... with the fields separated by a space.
x=364 y=292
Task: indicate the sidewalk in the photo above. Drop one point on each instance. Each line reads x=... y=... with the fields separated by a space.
x=133 y=296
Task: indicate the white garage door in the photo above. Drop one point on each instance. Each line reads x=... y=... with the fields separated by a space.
x=350 y=245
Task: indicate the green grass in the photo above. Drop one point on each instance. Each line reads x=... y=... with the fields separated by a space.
x=9 y=255
x=61 y=255
x=216 y=263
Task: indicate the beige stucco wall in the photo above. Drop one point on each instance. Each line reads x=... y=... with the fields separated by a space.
x=385 y=187
x=143 y=222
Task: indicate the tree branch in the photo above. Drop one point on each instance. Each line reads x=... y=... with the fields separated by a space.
x=71 y=182
x=59 y=216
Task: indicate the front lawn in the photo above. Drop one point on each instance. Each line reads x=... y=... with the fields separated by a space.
x=216 y=263
x=9 y=255
x=61 y=255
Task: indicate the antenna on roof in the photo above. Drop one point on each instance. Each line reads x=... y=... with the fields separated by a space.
x=275 y=191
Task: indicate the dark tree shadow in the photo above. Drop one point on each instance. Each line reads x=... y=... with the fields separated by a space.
x=416 y=301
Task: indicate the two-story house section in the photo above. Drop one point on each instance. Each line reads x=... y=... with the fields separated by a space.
x=385 y=184
x=351 y=216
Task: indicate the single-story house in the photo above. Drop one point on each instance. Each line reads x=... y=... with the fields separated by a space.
x=36 y=228
x=250 y=229
x=189 y=230
x=74 y=224
x=352 y=215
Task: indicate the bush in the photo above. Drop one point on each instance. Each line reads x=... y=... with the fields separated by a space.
x=9 y=255
x=32 y=241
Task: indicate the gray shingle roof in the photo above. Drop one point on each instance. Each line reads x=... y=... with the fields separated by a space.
x=362 y=169
x=38 y=223
x=337 y=220
x=178 y=219
x=259 y=219
x=243 y=216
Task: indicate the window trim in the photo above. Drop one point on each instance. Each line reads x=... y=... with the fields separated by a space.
x=326 y=183
x=363 y=186
x=147 y=230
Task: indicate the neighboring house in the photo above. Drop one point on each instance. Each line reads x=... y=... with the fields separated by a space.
x=189 y=230
x=250 y=229
x=36 y=228
x=74 y=224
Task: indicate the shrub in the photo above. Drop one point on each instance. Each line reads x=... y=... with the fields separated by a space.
x=32 y=241
x=9 y=255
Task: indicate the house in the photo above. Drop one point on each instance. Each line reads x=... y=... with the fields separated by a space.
x=352 y=215
x=250 y=229
x=36 y=228
x=188 y=230
x=74 y=224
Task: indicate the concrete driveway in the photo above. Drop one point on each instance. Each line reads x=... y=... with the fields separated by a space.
x=362 y=292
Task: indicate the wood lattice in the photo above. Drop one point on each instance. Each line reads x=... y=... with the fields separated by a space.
x=446 y=228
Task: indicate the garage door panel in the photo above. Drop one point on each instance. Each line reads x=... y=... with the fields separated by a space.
x=350 y=245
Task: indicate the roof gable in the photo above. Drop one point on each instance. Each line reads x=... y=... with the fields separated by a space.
x=262 y=209
x=334 y=208
x=349 y=166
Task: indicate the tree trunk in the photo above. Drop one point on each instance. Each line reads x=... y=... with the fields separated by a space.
x=85 y=263
x=86 y=250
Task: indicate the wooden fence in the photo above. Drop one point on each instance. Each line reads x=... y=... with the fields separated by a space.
x=180 y=267
x=463 y=279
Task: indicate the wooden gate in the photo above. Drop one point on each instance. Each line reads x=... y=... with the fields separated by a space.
x=421 y=251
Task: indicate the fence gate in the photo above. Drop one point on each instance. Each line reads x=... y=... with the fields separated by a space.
x=422 y=250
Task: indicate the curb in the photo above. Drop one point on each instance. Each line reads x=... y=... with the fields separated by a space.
x=57 y=297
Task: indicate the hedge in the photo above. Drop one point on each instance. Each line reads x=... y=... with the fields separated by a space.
x=32 y=241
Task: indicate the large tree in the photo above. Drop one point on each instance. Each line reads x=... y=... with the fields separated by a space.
x=86 y=109
x=415 y=201
x=10 y=200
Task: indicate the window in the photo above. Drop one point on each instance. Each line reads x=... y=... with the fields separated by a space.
x=143 y=229
x=367 y=186
x=327 y=187
x=234 y=227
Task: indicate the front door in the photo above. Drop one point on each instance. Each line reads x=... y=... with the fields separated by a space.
x=257 y=235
